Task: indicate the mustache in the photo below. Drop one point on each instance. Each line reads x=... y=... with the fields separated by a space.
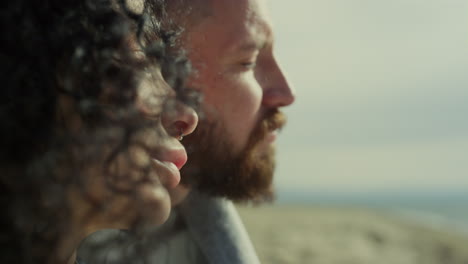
x=274 y=120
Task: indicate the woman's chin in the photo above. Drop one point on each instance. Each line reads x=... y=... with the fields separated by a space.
x=154 y=205
x=150 y=207
x=178 y=194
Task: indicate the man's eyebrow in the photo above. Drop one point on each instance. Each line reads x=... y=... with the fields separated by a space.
x=249 y=46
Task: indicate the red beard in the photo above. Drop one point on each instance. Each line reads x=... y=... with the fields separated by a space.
x=243 y=176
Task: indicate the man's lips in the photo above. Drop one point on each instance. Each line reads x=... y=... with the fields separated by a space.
x=272 y=123
x=271 y=136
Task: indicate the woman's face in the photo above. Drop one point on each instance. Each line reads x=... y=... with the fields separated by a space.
x=127 y=184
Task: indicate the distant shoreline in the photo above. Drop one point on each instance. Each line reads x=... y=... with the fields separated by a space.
x=457 y=199
x=436 y=209
x=332 y=234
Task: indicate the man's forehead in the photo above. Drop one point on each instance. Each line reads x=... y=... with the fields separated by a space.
x=246 y=28
x=244 y=10
x=251 y=40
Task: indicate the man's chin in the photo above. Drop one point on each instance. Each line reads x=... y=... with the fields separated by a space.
x=248 y=177
x=215 y=169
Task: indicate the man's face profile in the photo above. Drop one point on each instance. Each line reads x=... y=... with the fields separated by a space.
x=232 y=153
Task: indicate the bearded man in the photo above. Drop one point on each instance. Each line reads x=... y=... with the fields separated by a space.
x=230 y=44
x=231 y=154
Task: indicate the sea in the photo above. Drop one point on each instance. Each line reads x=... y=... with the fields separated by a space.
x=438 y=209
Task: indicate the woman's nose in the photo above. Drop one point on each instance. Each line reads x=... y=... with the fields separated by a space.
x=179 y=119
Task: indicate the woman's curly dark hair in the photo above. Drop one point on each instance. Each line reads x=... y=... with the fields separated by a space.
x=78 y=49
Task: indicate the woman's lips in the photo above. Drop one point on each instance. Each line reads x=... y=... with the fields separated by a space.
x=168 y=165
x=168 y=173
x=179 y=158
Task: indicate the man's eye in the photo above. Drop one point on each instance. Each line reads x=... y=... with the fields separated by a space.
x=248 y=65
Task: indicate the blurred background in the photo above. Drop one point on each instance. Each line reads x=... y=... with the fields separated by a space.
x=380 y=121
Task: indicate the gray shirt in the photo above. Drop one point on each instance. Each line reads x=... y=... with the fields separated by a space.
x=201 y=230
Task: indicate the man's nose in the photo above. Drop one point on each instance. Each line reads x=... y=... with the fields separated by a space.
x=179 y=119
x=277 y=91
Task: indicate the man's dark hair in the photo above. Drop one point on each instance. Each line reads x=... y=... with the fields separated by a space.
x=77 y=49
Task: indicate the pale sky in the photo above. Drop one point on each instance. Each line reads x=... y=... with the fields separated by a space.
x=382 y=94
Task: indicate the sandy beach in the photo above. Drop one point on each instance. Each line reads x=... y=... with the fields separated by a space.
x=319 y=235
